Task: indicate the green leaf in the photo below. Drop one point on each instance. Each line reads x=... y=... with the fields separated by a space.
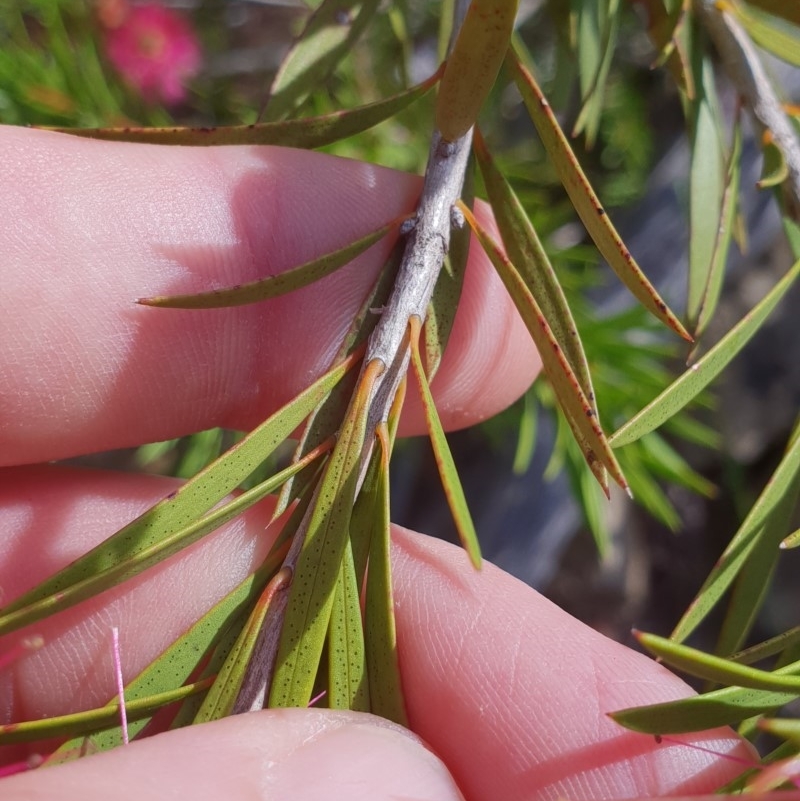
x=314 y=581
x=526 y=436
x=748 y=538
x=327 y=38
x=722 y=671
x=709 y=296
x=701 y=712
x=775 y=169
x=685 y=388
x=175 y=512
x=275 y=285
x=307 y=132
x=348 y=682
x=527 y=254
x=385 y=684
x=181 y=659
x=706 y=181
x=80 y=724
x=774 y=36
x=453 y=490
x=577 y=409
x=585 y=200
x=596 y=25
x=221 y=698
x=780 y=8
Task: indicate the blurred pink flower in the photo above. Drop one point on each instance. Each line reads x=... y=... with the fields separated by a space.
x=154 y=48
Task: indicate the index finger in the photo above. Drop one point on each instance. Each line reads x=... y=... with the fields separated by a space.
x=91 y=226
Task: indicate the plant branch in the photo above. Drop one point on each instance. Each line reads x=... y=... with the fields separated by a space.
x=744 y=68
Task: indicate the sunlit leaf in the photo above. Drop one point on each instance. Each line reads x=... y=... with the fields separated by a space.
x=709 y=296
x=577 y=409
x=386 y=693
x=686 y=387
x=329 y=35
x=706 y=181
x=80 y=724
x=779 y=8
x=774 y=36
x=221 y=698
x=178 y=663
x=747 y=538
x=453 y=490
x=700 y=712
x=311 y=595
x=175 y=512
x=527 y=254
x=274 y=285
x=722 y=671
x=586 y=202
x=307 y=132
x=348 y=681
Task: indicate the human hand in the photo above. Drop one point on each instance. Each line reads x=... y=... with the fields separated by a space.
x=510 y=692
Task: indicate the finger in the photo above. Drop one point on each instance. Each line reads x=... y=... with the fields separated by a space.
x=303 y=755
x=484 y=658
x=482 y=655
x=93 y=226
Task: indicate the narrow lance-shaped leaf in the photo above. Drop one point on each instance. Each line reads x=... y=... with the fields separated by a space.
x=311 y=595
x=348 y=682
x=127 y=568
x=307 y=132
x=667 y=31
x=701 y=712
x=177 y=664
x=713 y=668
x=742 y=545
x=778 y=39
x=585 y=200
x=386 y=692
x=274 y=285
x=329 y=35
x=188 y=503
x=779 y=8
x=81 y=724
x=706 y=181
x=453 y=490
x=528 y=255
x=577 y=409
x=220 y=700
x=709 y=297
x=691 y=383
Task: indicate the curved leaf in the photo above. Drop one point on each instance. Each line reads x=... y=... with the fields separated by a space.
x=685 y=388
x=453 y=490
x=329 y=35
x=180 y=508
x=307 y=132
x=584 y=199
x=274 y=285
x=578 y=410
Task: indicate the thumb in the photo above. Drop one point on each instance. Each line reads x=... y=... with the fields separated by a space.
x=300 y=754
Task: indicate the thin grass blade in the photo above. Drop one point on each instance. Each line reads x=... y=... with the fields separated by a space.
x=689 y=385
x=585 y=200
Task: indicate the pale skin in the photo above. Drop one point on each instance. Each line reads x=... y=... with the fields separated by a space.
x=509 y=693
